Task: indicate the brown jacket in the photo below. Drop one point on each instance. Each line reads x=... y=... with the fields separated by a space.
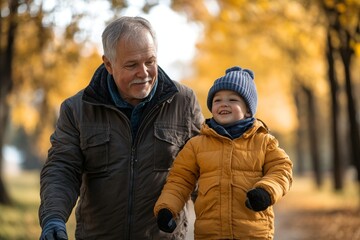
x=118 y=179
x=225 y=170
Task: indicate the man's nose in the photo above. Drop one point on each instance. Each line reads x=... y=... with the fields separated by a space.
x=142 y=71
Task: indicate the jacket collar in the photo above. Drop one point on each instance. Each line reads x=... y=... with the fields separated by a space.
x=258 y=126
x=233 y=130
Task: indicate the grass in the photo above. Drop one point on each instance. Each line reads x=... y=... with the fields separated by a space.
x=19 y=221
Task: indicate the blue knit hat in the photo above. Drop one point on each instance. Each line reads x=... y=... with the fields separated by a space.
x=238 y=80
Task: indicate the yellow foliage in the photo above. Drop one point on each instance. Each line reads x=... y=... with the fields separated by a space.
x=43 y=143
x=341 y=7
x=43 y=82
x=278 y=41
x=26 y=116
x=356 y=47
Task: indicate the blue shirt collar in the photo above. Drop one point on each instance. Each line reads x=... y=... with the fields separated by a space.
x=119 y=101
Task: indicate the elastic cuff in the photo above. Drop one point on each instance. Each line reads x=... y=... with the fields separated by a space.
x=52 y=219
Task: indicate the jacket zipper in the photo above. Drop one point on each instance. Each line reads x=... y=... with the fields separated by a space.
x=133 y=161
x=131 y=192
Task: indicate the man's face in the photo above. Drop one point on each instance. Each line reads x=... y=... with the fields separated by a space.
x=135 y=67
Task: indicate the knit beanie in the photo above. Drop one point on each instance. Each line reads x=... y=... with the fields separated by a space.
x=238 y=80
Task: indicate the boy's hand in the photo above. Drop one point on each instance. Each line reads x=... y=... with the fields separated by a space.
x=166 y=221
x=258 y=199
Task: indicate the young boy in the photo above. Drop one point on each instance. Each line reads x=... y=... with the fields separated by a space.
x=238 y=166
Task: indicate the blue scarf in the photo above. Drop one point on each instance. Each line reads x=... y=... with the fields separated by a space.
x=232 y=130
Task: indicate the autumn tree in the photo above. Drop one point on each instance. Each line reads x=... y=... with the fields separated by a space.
x=37 y=70
x=8 y=24
x=342 y=23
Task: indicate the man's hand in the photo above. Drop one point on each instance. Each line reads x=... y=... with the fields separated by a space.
x=54 y=229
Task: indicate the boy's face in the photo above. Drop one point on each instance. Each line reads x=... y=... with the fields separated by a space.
x=228 y=107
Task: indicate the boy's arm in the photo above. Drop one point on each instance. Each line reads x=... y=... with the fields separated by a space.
x=277 y=170
x=180 y=183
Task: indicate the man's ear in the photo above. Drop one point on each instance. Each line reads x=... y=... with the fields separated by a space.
x=107 y=64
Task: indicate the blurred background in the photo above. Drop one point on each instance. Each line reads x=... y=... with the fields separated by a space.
x=306 y=59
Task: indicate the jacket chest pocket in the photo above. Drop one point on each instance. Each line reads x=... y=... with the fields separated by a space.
x=94 y=143
x=169 y=139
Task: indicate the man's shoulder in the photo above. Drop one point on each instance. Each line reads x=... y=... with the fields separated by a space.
x=170 y=85
x=76 y=97
x=183 y=89
x=180 y=85
x=74 y=100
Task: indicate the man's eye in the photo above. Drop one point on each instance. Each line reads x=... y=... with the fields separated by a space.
x=130 y=65
x=150 y=62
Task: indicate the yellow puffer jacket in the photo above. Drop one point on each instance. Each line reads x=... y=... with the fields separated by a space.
x=225 y=171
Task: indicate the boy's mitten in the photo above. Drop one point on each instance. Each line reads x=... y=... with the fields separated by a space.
x=258 y=199
x=166 y=221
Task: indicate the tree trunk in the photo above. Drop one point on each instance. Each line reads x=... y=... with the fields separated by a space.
x=346 y=56
x=337 y=166
x=313 y=141
x=4 y=112
x=6 y=57
x=300 y=140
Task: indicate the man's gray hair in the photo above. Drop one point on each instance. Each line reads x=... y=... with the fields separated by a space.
x=124 y=27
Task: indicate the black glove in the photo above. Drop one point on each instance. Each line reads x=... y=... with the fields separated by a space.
x=258 y=199
x=54 y=229
x=166 y=221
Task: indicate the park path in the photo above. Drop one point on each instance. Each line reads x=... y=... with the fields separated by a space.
x=285 y=219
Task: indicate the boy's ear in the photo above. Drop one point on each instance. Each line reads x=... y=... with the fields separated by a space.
x=248 y=114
